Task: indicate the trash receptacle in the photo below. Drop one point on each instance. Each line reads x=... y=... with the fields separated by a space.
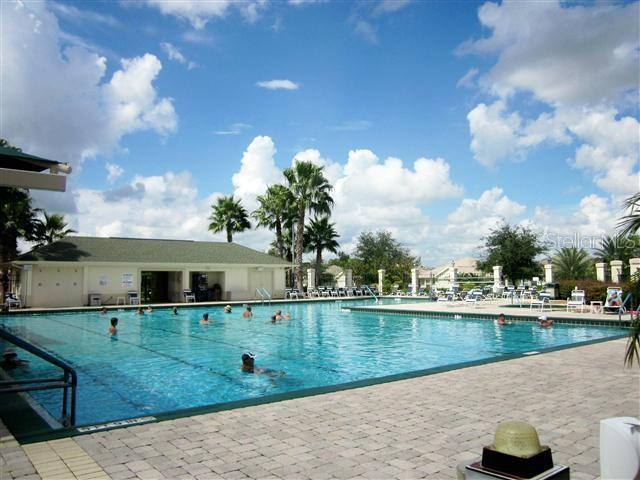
x=95 y=300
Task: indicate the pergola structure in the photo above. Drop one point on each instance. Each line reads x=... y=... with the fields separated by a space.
x=19 y=169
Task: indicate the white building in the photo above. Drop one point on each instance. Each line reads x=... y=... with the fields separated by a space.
x=67 y=272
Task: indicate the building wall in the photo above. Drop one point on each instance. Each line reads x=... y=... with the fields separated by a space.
x=56 y=287
x=62 y=286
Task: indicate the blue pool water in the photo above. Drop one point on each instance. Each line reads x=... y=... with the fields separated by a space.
x=162 y=363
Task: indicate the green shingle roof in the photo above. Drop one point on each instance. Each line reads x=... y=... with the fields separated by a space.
x=139 y=250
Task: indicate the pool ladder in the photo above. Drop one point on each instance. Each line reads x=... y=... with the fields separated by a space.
x=263 y=293
x=371 y=293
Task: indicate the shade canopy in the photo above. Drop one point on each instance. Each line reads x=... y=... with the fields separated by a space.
x=19 y=169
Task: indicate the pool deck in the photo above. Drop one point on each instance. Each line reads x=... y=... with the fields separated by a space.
x=494 y=308
x=409 y=429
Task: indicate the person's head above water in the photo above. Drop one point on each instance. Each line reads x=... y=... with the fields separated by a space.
x=248 y=361
x=175 y=310
x=9 y=353
x=205 y=316
x=114 y=321
x=248 y=308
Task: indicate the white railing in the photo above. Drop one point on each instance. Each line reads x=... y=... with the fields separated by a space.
x=263 y=293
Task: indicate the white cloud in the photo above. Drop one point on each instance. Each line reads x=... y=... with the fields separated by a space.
x=234 y=129
x=148 y=207
x=352 y=126
x=82 y=17
x=195 y=12
x=278 y=85
x=175 y=54
x=367 y=31
x=199 y=13
x=468 y=80
x=563 y=54
x=581 y=63
x=76 y=112
x=390 y=6
x=114 y=171
x=257 y=171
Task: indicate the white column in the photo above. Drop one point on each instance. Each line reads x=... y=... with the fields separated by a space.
x=348 y=276
x=414 y=281
x=601 y=272
x=85 y=285
x=311 y=278
x=497 y=275
x=381 y=273
x=634 y=266
x=616 y=271
x=185 y=283
x=548 y=273
x=453 y=274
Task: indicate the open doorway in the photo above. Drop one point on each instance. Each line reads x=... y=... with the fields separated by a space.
x=155 y=287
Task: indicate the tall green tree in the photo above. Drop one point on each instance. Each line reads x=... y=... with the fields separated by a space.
x=376 y=250
x=630 y=223
x=311 y=193
x=275 y=212
x=228 y=216
x=319 y=236
x=52 y=228
x=618 y=247
x=515 y=248
x=572 y=263
x=17 y=221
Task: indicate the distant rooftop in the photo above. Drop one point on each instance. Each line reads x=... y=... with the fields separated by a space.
x=143 y=250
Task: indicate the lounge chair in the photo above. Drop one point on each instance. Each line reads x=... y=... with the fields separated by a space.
x=12 y=300
x=188 y=295
x=613 y=303
x=342 y=292
x=543 y=300
x=576 y=301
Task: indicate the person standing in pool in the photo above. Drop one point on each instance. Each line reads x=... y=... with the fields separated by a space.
x=227 y=309
x=248 y=313
x=113 y=328
x=174 y=310
x=501 y=320
x=205 y=319
x=10 y=360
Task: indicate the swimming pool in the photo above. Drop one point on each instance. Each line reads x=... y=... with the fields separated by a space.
x=163 y=363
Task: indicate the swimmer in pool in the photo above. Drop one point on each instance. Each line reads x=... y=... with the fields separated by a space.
x=205 y=319
x=140 y=311
x=248 y=366
x=174 y=310
x=10 y=360
x=149 y=309
x=501 y=320
x=227 y=309
x=248 y=313
x=113 y=328
x=103 y=310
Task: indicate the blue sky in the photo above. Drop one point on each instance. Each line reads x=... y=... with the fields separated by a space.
x=522 y=111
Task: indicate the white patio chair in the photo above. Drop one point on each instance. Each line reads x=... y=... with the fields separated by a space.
x=12 y=300
x=188 y=295
x=576 y=301
x=543 y=300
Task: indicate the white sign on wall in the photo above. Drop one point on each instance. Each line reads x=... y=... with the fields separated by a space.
x=102 y=281
x=127 y=280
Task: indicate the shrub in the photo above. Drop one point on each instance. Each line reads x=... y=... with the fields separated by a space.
x=593 y=289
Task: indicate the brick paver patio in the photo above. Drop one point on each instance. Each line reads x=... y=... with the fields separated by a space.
x=417 y=428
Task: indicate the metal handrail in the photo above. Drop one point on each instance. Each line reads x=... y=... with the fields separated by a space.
x=622 y=307
x=69 y=379
x=368 y=288
x=263 y=292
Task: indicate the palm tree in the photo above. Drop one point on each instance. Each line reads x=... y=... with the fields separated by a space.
x=230 y=216
x=319 y=236
x=633 y=343
x=51 y=229
x=17 y=220
x=618 y=247
x=572 y=263
x=630 y=223
x=274 y=211
x=310 y=192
